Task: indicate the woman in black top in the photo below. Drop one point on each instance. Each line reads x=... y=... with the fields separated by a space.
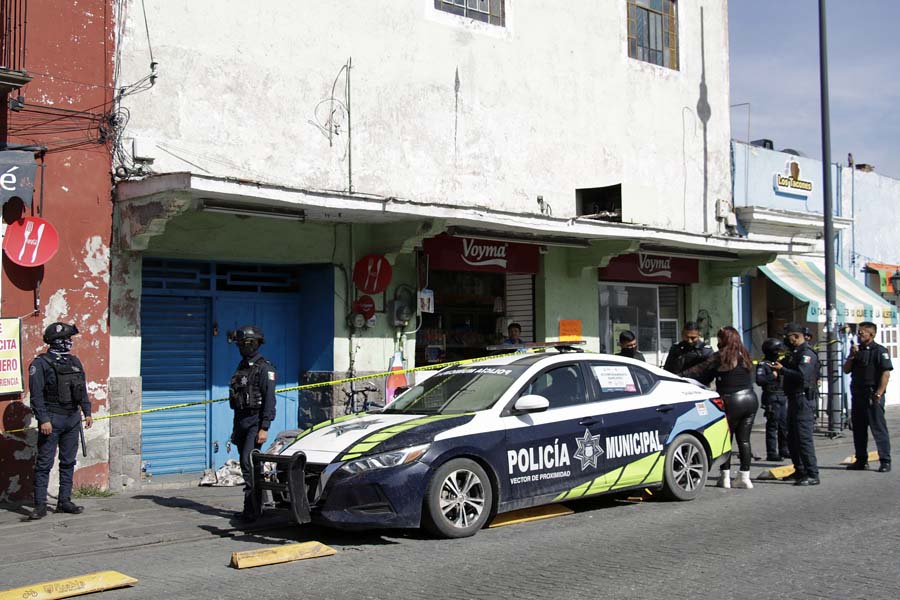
x=732 y=369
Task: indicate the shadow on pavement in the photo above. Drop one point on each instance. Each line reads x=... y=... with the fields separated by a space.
x=176 y=502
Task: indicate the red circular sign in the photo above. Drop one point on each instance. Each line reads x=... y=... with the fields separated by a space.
x=365 y=306
x=372 y=273
x=30 y=242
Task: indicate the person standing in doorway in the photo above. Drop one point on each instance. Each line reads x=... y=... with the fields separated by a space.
x=628 y=346
x=58 y=400
x=732 y=369
x=514 y=337
x=800 y=373
x=690 y=351
x=869 y=365
x=252 y=397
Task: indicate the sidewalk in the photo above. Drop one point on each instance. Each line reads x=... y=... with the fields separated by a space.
x=178 y=510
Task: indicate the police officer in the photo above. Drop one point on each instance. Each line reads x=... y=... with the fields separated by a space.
x=252 y=396
x=870 y=367
x=689 y=352
x=774 y=401
x=628 y=346
x=58 y=399
x=799 y=372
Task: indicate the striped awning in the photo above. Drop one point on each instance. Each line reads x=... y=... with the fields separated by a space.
x=804 y=278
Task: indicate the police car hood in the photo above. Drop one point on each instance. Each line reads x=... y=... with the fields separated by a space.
x=352 y=436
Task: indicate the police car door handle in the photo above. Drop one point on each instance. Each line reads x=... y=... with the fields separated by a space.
x=588 y=421
x=664 y=408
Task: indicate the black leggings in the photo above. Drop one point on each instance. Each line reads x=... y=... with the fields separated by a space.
x=740 y=410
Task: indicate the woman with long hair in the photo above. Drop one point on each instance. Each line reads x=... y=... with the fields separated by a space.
x=732 y=369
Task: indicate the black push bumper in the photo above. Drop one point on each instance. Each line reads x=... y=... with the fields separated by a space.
x=290 y=480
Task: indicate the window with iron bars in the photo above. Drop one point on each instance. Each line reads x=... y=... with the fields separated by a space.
x=486 y=11
x=653 y=32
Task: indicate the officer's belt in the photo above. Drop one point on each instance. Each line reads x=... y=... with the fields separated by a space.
x=59 y=409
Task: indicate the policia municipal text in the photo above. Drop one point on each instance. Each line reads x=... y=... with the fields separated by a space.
x=58 y=399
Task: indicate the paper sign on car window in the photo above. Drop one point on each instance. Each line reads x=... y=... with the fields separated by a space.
x=614 y=379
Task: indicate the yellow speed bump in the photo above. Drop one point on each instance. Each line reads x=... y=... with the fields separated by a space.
x=776 y=473
x=72 y=586
x=530 y=514
x=873 y=456
x=281 y=554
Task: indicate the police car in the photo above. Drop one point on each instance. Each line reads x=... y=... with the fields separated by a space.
x=490 y=437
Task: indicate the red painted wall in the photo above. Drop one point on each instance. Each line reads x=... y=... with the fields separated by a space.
x=70 y=51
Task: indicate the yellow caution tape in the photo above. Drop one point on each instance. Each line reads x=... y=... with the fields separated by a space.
x=307 y=386
x=71 y=586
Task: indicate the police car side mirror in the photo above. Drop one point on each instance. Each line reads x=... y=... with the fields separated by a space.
x=531 y=403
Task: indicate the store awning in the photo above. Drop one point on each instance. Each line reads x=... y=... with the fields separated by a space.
x=804 y=278
x=885 y=272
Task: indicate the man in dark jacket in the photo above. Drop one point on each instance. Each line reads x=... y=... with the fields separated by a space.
x=252 y=396
x=774 y=401
x=800 y=372
x=690 y=351
x=628 y=346
x=870 y=367
x=58 y=399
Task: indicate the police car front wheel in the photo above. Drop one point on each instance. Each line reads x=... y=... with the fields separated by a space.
x=458 y=499
x=685 y=469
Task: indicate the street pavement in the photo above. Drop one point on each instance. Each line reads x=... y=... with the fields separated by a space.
x=838 y=540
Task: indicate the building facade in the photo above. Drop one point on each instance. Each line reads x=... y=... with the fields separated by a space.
x=402 y=181
x=57 y=131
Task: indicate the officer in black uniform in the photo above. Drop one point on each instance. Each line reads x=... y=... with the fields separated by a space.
x=628 y=346
x=252 y=396
x=799 y=372
x=774 y=401
x=58 y=399
x=690 y=351
x=870 y=367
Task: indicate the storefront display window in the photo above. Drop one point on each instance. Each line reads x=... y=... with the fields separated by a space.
x=651 y=312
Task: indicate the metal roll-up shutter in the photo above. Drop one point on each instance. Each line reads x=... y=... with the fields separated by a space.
x=174 y=367
x=520 y=303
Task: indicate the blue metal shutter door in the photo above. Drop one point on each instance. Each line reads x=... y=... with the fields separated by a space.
x=174 y=369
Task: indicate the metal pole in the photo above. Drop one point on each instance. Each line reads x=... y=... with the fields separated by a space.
x=828 y=210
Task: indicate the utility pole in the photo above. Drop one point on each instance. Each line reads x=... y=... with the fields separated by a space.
x=831 y=349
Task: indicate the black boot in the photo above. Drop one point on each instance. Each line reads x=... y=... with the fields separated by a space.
x=39 y=512
x=67 y=506
x=885 y=467
x=857 y=465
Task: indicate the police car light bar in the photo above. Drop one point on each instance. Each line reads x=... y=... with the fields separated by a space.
x=561 y=346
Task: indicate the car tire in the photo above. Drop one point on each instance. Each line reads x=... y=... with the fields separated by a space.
x=458 y=499
x=686 y=468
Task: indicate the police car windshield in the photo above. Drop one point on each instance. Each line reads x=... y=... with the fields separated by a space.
x=457 y=390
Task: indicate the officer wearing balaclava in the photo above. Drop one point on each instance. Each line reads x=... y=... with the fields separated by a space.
x=58 y=399
x=252 y=397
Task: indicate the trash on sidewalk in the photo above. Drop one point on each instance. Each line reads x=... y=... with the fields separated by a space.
x=228 y=474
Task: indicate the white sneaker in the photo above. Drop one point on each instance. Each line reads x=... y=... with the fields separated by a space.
x=724 y=479
x=743 y=481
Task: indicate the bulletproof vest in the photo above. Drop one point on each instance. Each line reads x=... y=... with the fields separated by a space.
x=245 y=391
x=765 y=380
x=68 y=391
x=795 y=359
x=865 y=366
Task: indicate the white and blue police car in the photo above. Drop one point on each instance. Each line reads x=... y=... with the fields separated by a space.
x=507 y=433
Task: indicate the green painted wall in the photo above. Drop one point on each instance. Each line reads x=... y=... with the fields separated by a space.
x=712 y=293
x=565 y=293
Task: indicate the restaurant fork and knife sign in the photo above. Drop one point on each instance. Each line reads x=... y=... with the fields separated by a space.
x=30 y=242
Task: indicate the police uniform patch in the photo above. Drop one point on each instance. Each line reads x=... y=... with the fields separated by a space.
x=884 y=355
x=32 y=370
x=807 y=359
x=271 y=375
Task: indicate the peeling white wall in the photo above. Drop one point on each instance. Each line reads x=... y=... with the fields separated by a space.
x=547 y=104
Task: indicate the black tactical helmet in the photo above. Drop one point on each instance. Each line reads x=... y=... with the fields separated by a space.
x=59 y=331
x=772 y=347
x=249 y=332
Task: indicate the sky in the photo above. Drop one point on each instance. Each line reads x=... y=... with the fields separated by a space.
x=774 y=53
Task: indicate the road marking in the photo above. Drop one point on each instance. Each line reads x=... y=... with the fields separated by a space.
x=71 y=586
x=281 y=554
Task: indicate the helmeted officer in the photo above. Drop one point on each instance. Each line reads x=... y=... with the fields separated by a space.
x=58 y=399
x=690 y=351
x=870 y=367
x=799 y=372
x=774 y=400
x=252 y=396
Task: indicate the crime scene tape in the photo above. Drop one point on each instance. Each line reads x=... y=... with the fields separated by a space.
x=306 y=386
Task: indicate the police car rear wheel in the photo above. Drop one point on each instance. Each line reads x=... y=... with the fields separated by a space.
x=458 y=499
x=685 y=469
